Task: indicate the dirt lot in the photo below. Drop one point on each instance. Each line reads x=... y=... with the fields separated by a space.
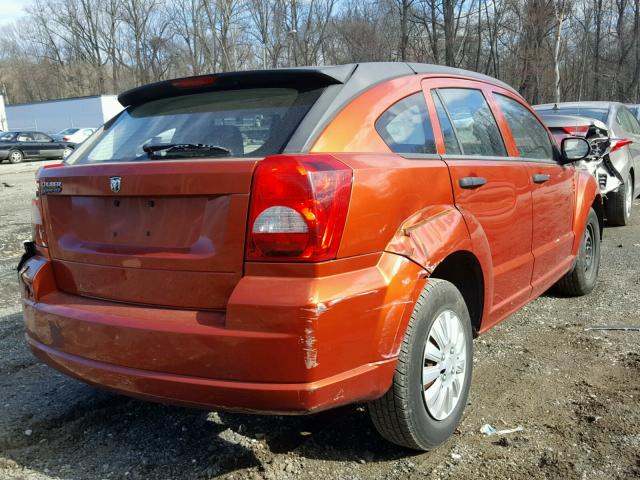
x=575 y=392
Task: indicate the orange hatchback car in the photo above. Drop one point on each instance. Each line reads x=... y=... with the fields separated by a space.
x=288 y=241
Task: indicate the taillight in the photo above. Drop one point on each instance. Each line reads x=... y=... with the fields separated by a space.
x=298 y=208
x=65 y=138
x=579 y=130
x=618 y=143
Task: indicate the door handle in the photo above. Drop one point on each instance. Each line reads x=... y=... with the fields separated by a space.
x=472 y=182
x=541 y=178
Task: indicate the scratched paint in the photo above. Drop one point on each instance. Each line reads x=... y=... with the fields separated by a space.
x=310 y=352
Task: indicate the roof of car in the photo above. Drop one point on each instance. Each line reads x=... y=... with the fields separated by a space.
x=341 y=84
x=358 y=76
x=594 y=104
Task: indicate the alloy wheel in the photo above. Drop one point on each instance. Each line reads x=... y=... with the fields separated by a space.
x=443 y=373
x=588 y=249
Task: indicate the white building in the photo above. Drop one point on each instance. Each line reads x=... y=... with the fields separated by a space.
x=3 y=115
x=51 y=116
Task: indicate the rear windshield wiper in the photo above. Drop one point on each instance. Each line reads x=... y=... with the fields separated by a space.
x=186 y=148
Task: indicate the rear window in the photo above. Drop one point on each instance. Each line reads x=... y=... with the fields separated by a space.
x=68 y=131
x=598 y=113
x=229 y=123
x=7 y=137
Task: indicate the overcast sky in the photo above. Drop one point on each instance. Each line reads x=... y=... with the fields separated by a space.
x=10 y=10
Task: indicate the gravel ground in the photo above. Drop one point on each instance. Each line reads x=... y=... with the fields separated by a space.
x=575 y=392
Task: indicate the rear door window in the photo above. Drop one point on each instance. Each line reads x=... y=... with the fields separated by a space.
x=473 y=122
x=530 y=136
x=406 y=127
x=227 y=123
x=41 y=137
x=25 y=137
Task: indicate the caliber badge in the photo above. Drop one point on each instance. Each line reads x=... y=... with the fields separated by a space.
x=115 y=184
x=50 y=187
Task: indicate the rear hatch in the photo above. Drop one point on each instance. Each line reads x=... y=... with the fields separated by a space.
x=152 y=209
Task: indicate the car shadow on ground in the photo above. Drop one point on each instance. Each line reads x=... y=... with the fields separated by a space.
x=80 y=437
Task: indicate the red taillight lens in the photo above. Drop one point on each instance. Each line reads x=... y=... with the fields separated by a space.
x=298 y=208
x=65 y=138
x=618 y=143
x=579 y=130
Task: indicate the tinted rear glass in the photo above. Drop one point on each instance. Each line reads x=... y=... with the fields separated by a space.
x=590 y=112
x=7 y=137
x=238 y=123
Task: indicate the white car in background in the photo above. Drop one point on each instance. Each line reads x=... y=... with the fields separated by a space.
x=623 y=152
x=73 y=135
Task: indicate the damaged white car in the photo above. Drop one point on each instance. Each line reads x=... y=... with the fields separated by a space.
x=614 y=134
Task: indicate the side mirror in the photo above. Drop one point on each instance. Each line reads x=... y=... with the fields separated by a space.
x=574 y=149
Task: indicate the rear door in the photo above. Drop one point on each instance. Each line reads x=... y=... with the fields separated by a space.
x=491 y=189
x=47 y=147
x=28 y=145
x=553 y=191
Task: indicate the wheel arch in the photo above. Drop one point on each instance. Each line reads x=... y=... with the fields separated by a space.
x=438 y=239
x=598 y=207
x=462 y=268
x=587 y=197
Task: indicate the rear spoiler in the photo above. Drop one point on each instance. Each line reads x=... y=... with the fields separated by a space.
x=300 y=78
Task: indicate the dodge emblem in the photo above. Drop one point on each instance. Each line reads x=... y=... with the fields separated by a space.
x=115 y=184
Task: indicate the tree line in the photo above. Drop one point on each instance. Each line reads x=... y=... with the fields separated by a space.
x=550 y=50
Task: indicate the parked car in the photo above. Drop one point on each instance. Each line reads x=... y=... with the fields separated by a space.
x=392 y=212
x=625 y=157
x=74 y=135
x=598 y=163
x=27 y=145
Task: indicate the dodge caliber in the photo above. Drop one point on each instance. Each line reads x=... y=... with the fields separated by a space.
x=289 y=241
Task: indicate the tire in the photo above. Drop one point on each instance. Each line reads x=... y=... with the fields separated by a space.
x=66 y=152
x=618 y=204
x=403 y=415
x=584 y=274
x=15 y=156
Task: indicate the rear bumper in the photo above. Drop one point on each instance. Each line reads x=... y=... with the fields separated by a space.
x=268 y=398
x=283 y=345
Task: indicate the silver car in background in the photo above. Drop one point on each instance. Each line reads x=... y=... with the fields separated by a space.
x=624 y=152
x=598 y=163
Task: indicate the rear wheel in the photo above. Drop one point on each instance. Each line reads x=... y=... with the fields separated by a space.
x=15 y=156
x=618 y=204
x=582 y=278
x=432 y=379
